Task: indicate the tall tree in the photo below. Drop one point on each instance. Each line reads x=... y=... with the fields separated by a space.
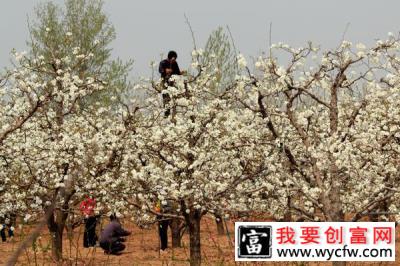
x=219 y=58
x=83 y=29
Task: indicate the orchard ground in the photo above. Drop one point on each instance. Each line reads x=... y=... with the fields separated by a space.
x=143 y=249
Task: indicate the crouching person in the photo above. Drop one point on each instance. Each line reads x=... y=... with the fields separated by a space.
x=112 y=237
x=7 y=224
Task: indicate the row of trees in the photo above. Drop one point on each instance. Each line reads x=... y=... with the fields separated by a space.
x=316 y=138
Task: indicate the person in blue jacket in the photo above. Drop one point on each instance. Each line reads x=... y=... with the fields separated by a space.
x=113 y=236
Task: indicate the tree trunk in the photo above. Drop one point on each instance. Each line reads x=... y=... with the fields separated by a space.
x=337 y=215
x=220 y=225
x=56 y=244
x=176 y=232
x=193 y=222
x=56 y=226
x=335 y=208
x=383 y=207
x=56 y=223
x=288 y=214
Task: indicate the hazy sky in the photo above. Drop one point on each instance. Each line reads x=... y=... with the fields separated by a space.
x=146 y=29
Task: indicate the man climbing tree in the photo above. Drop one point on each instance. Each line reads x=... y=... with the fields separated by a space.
x=170 y=66
x=167 y=68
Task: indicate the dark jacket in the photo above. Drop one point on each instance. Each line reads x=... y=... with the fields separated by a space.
x=164 y=64
x=113 y=232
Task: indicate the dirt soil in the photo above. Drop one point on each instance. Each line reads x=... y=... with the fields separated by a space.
x=143 y=249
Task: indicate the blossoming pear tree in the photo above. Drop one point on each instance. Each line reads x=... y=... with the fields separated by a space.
x=62 y=152
x=335 y=120
x=202 y=158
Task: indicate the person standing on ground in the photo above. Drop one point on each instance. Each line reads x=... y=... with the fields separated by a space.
x=163 y=223
x=112 y=237
x=87 y=208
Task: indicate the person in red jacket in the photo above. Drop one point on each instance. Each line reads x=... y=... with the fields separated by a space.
x=87 y=208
